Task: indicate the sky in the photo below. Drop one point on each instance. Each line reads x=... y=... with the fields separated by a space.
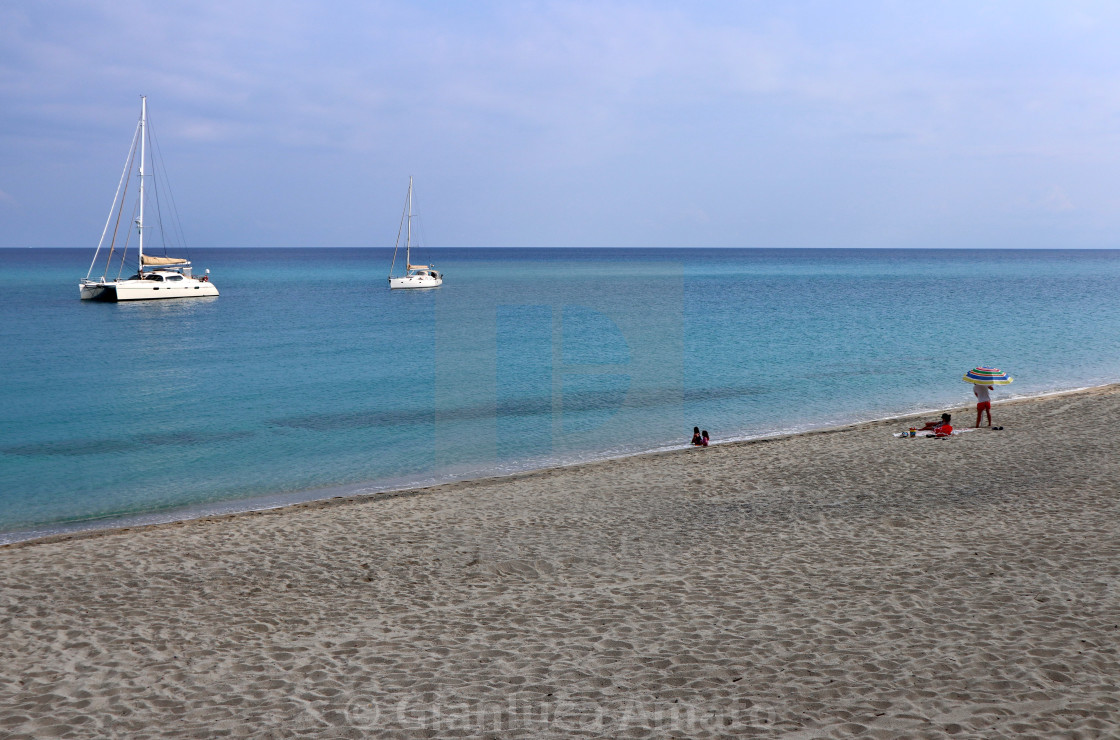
x=571 y=123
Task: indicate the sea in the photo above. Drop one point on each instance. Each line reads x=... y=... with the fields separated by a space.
x=309 y=379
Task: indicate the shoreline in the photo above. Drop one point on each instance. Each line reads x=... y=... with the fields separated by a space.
x=839 y=582
x=130 y=523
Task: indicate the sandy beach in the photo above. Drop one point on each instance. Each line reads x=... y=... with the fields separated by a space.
x=831 y=584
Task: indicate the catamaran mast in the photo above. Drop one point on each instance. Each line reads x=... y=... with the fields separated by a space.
x=140 y=219
x=408 y=236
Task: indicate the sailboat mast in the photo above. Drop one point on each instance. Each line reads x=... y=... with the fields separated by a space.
x=408 y=236
x=140 y=219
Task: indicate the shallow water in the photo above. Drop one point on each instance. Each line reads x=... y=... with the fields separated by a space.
x=308 y=377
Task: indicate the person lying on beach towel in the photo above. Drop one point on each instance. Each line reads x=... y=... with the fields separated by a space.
x=945 y=429
x=932 y=425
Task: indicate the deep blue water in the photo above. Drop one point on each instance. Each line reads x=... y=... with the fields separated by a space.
x=309 y=378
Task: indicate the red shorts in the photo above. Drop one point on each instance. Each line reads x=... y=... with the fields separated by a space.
x=984 y=406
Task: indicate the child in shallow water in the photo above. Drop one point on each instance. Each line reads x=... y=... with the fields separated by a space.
x=696 y=438
x=704 y=438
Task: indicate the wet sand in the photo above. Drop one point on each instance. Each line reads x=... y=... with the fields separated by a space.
x=831 y=584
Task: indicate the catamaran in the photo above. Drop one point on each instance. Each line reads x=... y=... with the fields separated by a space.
x=415 y=276
x=156 y=276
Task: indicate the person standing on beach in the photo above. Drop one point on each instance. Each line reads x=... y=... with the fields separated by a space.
x=983 y=402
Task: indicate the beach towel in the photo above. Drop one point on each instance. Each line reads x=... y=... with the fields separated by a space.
x=929 y=432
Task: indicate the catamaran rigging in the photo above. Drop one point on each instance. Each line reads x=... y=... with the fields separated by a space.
x=156 y=277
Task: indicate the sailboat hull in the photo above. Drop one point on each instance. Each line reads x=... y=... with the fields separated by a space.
x=146 y=290
x=415 y=281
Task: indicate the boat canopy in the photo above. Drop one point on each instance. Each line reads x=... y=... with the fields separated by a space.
x=153 y=260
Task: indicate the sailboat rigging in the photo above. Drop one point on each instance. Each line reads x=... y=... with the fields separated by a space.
x=415 y=276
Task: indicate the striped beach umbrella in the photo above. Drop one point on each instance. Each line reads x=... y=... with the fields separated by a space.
x=987 y=376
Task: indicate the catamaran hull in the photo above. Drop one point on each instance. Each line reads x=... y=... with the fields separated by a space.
x=97 y=292
x=415 y=281
x=144 y=290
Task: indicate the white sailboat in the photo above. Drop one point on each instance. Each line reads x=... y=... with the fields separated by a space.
x=415 y=276
x=156 y=277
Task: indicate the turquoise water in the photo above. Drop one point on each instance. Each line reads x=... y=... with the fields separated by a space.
x=308 y=378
